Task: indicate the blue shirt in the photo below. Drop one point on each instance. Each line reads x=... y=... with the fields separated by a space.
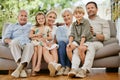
x=18 y=32
x=62 y=33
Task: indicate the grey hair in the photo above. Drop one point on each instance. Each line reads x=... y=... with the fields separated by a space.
x=66 y=10
x=22 y=11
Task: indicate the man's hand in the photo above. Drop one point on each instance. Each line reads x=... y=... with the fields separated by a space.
x=100 y=37
x=91 y=29
x=7 y=41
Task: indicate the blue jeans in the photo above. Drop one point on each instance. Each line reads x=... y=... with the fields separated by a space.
x=62 y=55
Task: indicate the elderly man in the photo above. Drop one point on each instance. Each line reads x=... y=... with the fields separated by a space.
x=16 y=36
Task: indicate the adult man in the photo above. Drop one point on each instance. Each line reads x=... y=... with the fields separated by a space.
x=101 y=32
x=16 y=36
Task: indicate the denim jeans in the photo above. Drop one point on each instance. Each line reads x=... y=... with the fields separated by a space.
x=62 y=55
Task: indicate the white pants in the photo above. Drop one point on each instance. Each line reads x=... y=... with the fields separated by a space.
x=23 y=53
x=92 y=47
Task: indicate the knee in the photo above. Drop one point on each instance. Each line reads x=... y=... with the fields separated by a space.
x=45 y=50
x=40 y=47
x=14 y=42
x=82 y=48
x=35 y=48
x=61 y=43
x=29 y=46
x=68 y=48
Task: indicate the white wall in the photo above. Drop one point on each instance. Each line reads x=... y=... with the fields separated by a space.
x=104 y=7
x=118 y=29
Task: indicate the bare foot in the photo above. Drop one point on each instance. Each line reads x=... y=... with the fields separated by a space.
x=37 y=69
x=33 y=73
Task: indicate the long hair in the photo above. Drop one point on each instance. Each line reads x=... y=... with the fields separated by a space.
x=39 y=13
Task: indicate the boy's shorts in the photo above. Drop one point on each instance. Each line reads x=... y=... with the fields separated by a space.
x=85 y=44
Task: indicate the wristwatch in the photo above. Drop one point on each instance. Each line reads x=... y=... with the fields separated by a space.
x=94 y=34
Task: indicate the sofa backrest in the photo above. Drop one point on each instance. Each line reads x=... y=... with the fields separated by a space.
x=113 y=31
x=4 y=28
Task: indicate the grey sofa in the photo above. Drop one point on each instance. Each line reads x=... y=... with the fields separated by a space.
x=107 y=57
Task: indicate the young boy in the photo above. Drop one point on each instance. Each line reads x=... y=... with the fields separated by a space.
x=80 y=35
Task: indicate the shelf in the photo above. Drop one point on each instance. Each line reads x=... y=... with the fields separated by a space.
x=115 y=6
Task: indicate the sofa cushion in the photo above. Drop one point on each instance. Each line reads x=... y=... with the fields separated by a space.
x=112 y=61
x=5 y=52
x=4 y=28
x=108 y=50
x=7 y=64
x=111 y=40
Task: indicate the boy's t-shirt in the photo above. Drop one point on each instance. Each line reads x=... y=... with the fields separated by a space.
x=81 y=30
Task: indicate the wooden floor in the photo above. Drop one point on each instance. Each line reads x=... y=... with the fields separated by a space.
x=95 y=74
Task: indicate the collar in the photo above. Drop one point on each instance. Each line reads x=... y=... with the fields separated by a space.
x=81 y=22
x=20 y=24
x=96 y=17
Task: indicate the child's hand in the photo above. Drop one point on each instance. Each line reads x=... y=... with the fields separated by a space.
x=69 y=44
x=41 y=39
x=44 y=44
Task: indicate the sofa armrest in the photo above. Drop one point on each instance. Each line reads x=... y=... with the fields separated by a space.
x=0 y=42
x=111 y=40
x=119 y=59
x=108 y=50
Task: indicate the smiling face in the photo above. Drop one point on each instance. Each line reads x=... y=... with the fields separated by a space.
x=78 y=13
x=91 y=10
x=41 y=19
x=78 y=16
x=22 y=17
x=50 y=18
x=67 y=16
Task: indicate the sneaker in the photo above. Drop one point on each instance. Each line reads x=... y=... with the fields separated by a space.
x=57 y=66
x=61 y=71
x=72 y=73
x=23 y=74
x=67 y=70
x=51 y=69
x=16 y=73
x=81 y=74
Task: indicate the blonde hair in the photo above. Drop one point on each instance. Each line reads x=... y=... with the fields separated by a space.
x=51 y=11
x=79 y=9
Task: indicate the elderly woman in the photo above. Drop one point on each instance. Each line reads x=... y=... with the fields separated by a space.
x=62 y=34
x=50 y=54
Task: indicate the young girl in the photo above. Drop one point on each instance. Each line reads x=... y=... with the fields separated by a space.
x=38 y=34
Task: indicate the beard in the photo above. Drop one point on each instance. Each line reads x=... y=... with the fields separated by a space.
x=91 y=13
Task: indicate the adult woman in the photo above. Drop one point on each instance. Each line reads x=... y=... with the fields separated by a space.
x=62 y=34
x=50 y=55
